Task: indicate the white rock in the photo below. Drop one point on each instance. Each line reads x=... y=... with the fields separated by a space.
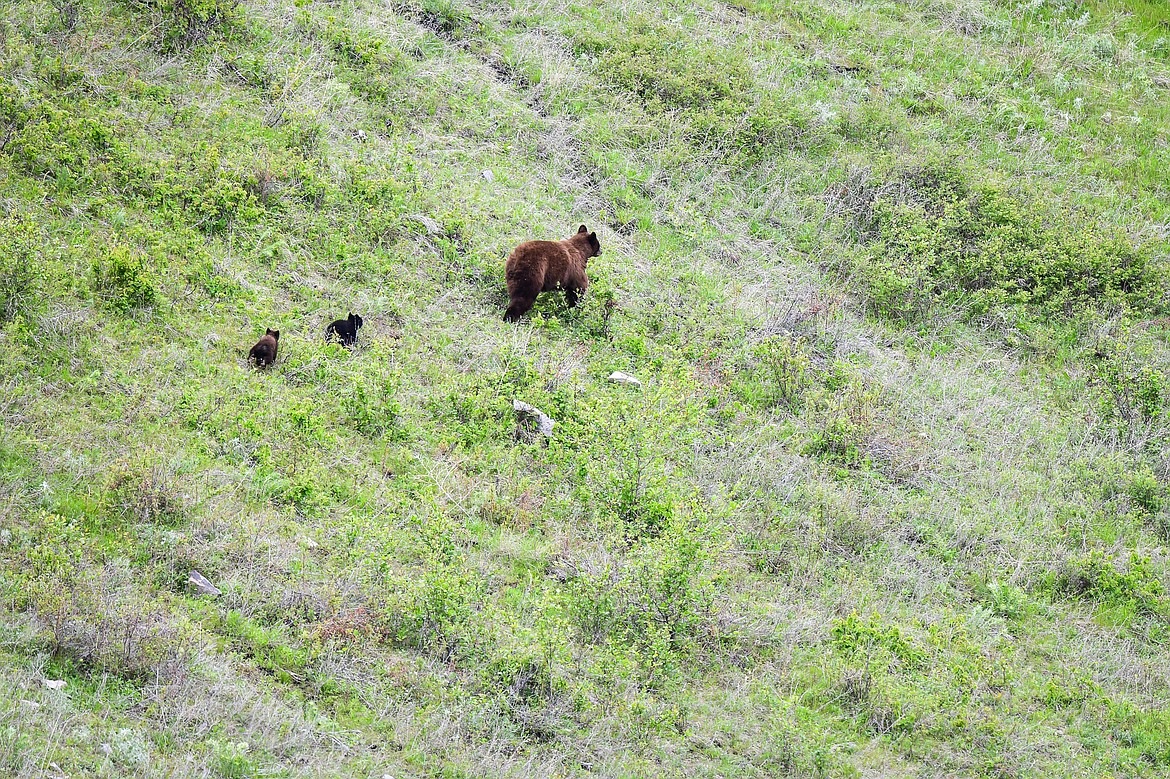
x=624 y=378
x=199 y=582
x=487 y=174
x=544 y=423
x=430 y=224
x=54 y=684
x=109 y=750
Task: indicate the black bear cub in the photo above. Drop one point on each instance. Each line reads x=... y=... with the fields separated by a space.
x=344 y=330
x=542 y=266
x=264 y=352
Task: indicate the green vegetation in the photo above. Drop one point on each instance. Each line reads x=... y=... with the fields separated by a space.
x=892 y=498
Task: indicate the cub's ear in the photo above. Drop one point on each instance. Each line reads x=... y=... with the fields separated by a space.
x=358 y=319
x=350 y=317
x=582 y=229
x=276 y=334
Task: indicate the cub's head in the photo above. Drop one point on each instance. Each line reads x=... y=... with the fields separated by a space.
x=589 y=240
x=355 y=320
x=274 y=333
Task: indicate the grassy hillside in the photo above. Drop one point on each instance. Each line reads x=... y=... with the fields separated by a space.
x=892 y=499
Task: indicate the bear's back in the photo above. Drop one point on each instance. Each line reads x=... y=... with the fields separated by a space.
x=544 y=262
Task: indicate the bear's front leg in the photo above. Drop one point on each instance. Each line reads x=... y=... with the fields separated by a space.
x=571 y=294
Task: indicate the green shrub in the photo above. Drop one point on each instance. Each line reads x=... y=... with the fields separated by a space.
x=440 y=612
x=1095 y=576
x=372 y=410
x=669 y=72
x=939 y=239
x=75 y=148
x=178 y=24
x=19 y=266
x=655 y=605
x=856 y=635
x=231 y=759
x=781 y=371
x=843 y=424
x=121 y=281
x=1134 y=397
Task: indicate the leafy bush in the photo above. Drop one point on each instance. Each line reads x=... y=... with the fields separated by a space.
x=670 y=72
x=780 y=372
x=1097 y=577
x=19 y=270
x=371 y=410
x=73 y=147
x=857 y=635
x=183 y=23
x=844 y=423
x=121 y=281
x=1134 y=398
x=655 y=605
x=939 y=239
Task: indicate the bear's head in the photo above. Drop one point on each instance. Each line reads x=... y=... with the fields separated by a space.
x=274 y=333
x=355 y=320
x=592 y=245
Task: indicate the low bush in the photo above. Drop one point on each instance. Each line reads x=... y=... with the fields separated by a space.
x=937 y=238
x=20 y=268
x=180 y=24
x=122 y=281
x=670 y=72
x=1097 y=577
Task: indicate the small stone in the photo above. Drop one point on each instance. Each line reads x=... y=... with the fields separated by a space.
x=54 y=684
x=431 y=225
x=489 y=176
x=624 y=378
x=530 y=413
x=360 y=135
x=30 y=704
x=201 y=585
x=109 y=750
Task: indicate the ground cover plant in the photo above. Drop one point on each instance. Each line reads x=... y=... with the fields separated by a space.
x=890 y=499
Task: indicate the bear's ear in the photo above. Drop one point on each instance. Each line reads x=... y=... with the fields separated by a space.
x=350 y=317
x=275 y=334
x=358 y=318
x=582 y=229
x=594 y=243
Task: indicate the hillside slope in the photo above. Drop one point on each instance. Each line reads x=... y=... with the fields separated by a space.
x=891 y=499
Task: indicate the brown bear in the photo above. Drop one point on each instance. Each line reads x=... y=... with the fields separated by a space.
x=542 y=266
x=264 y=352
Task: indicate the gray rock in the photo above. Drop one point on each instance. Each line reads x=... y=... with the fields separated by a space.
x=624 y=378
x=431 y=225
x=200 y=584
x=54 y=684
x=528 y=415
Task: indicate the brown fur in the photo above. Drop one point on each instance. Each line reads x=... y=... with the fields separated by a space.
x=542 y=266
x=264 y=352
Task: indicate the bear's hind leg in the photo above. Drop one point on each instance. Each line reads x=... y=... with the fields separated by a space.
x=519 y=306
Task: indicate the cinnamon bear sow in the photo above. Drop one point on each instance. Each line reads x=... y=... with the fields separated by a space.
x=264 y=352
x=542 y=266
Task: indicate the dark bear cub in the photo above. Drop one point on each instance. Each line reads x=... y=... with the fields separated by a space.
x=344 y=330
x=542 y=266
x=264 y=352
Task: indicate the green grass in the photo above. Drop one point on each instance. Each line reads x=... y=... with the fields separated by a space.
x=892 y=499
